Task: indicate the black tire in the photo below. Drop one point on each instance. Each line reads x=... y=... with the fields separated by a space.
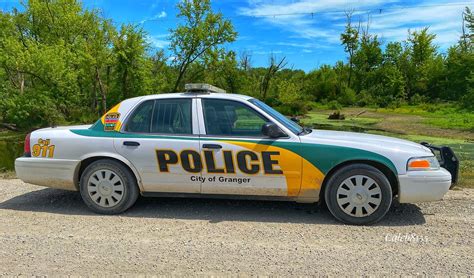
x=345 y=212
x=127 y=187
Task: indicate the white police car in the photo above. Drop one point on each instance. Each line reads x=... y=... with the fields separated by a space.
x=205 y=143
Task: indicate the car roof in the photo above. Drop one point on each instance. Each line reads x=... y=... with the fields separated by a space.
x=196 y=95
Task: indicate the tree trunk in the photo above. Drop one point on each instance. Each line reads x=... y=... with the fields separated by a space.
x=124 y=84
x=176 y=85
x=102 y=91
x=94 y=96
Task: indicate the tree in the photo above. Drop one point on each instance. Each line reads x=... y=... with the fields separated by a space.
x=273 y=68
x=366 y=60
x=162 y=75
x=202 y=32
x=467 y=38
x=350 y=40
x=132 y=68
x=420 y=54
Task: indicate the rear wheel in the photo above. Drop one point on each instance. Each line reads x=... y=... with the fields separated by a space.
x=108 y=187
x=358 y=194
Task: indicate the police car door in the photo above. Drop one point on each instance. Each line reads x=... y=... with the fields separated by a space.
x=158 y=133
x=238 y=158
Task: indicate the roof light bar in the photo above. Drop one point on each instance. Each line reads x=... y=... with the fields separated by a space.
x=202 y=87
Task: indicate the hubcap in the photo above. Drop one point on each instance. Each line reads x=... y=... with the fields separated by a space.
x=105 y=188
x=359 y=196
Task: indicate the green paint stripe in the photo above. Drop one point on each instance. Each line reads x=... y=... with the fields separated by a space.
x=323 y=157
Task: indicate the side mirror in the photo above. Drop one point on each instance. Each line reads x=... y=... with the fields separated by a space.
x=294 y=119
x=272 y=130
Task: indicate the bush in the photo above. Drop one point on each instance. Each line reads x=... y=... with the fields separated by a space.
x=30 y=110
x=418 y=99
x=347 y=97
x=293 y=109
x=467 y=101
x=334 y=105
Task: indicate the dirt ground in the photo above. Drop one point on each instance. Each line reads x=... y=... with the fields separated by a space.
x=51 y=232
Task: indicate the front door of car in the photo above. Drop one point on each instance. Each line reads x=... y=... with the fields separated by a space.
x=157 y=138
x=238 y=158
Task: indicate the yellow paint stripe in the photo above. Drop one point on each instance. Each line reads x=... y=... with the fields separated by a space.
x=305 y=182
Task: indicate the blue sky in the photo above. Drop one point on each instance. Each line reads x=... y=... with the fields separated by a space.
x=306 y=32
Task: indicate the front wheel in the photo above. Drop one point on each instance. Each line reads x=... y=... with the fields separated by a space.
x=108 y=187
x=358 y=194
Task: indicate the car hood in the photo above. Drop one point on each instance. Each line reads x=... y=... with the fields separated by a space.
x=365 y=141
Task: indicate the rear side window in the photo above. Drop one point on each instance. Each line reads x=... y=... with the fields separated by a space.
x=172 y=116
x=141 y=118
x=165 y=116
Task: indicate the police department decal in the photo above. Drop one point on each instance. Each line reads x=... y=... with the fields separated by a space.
x=111 y=120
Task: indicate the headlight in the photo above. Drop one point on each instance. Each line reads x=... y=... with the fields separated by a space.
x=423 y=164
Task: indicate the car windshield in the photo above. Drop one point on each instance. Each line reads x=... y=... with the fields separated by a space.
x=294 y=127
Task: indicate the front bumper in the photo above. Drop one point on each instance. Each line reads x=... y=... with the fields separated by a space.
x=55 y=173
x=447 y=159
x=423 y=186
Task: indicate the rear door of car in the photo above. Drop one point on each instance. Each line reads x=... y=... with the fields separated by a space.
x=156 y=137
x=237 y=158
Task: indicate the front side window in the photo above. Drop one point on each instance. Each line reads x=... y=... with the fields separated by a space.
x=231 y=118
x=167 y=116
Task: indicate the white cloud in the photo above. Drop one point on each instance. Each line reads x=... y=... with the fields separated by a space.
x=306 y=45
x=324 y=26
x=158 y=41
x=159 y=15
x=268 y=52
x=295 y=16
x=444 y=21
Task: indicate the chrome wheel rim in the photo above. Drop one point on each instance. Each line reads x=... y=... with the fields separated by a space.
x=359 y=196
x=105 y=188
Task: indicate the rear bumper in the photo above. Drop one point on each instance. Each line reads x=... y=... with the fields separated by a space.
x=55 y=173
x=423 y=186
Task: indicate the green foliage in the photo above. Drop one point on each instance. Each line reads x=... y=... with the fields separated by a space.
x=132 y=68
x=289 y=94
x=61 y=63
x=201 y=35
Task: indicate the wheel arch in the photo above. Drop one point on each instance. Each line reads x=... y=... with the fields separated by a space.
x=387 y=171
x=88 y=160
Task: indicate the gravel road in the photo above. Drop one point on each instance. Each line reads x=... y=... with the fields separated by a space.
x=51 y=232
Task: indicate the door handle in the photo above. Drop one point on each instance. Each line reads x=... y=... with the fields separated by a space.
x=211 y=146
x=131 y=143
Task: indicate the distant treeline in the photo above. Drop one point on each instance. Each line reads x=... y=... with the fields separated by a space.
x=61 y=63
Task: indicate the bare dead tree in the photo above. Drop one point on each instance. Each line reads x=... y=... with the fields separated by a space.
x=245 y=60
x=273 y=68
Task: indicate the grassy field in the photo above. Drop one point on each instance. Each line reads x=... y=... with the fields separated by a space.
x=440 y=127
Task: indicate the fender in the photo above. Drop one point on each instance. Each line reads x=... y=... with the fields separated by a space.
x=111 y=155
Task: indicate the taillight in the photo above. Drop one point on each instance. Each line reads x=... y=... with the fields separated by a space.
x=27 y=149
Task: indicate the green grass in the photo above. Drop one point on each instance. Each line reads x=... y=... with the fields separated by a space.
x=352 y=122
x=437 y=115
